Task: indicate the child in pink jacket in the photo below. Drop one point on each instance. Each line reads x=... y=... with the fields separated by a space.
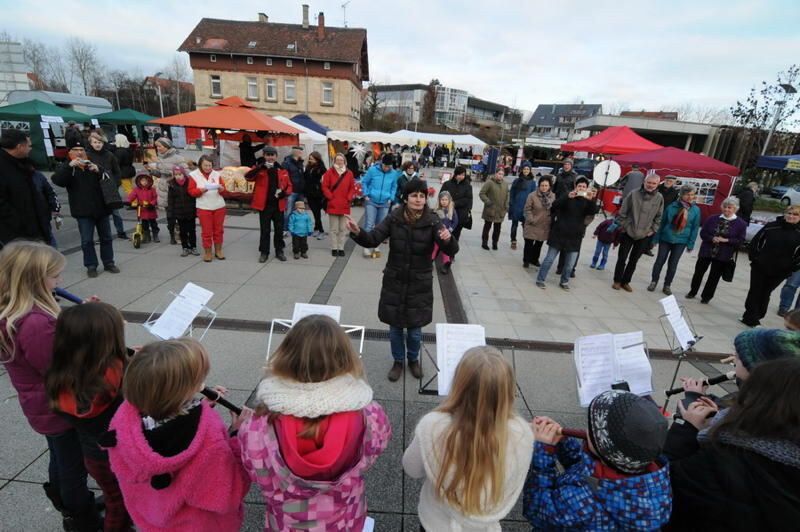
x=178 y=468
x=146 y=197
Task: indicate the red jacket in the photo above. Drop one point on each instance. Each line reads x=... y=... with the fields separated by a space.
x=261 y=176
x=339 y=199
x=148 y=199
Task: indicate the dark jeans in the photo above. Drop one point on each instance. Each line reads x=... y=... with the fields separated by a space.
x=188 y=233
x=761 y=286
x=118 y=222
x=674 y=252
x=171 y=221
x=86 y=227
x=495 y=233
x=299 y=244
x=271 y=215
x=532 y=251
x=514 y=225
x=405 y=342
x=315 y=204
x=150 y=226
x=67 y=471
x=457 y=231
x=629 y=252
x=700 y=267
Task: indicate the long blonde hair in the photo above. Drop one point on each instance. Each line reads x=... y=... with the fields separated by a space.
x=25 y=268
x=450 y=206
x=480 y=404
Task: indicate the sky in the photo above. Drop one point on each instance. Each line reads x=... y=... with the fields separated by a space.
x=652 y=54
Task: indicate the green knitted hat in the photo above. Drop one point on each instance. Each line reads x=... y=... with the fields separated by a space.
x=755 y=346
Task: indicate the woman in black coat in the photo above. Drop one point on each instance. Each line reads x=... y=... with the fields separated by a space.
x=742 y=472
x=312 y=176
x=124 y=157
x=406 y=302
x=460 y=189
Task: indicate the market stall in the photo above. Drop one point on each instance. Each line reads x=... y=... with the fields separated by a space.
x=454 y=142
x=713 y=179
x=309 y=123
x=779 y=162
x=127 y=117
x=44 y=122
x=616 y=140
x=309 y=139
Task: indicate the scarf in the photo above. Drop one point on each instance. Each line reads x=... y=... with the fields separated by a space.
x=112 y=377
x=412 y=217
x=344 y=393
x=679 y=221
x=340 y=169
x=544 y=197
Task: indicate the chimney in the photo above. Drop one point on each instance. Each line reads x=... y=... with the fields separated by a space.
x=321 y=25
x=305 y=16
x=263 y=18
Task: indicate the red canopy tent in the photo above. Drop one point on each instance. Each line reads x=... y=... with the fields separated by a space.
x=614 y=140
x=714 y=179
x=233 y=113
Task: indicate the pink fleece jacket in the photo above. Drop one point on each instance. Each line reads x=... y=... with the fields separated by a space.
x=200 y=489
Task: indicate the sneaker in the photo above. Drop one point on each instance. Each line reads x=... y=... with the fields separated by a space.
x=395 y=372
x=195 y=252
x=322 y=236
x=110 y=268
x=296 y=256
x=185 y=252
x=304 y=255
x=541 y=285
x=263 y=257
x=667 y=290
x=601 y=268
x=314 y=234
x=592 y=266
x=651 y=287
x=564 y=286
x=415 y=368
x=92 y=272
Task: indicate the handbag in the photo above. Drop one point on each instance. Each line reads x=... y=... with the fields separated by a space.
x=333 y=189
x=110 y=190
x=729 y=269
x=467 y=224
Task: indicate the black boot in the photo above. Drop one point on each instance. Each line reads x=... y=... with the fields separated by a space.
x=67 y=520
x=89 y=519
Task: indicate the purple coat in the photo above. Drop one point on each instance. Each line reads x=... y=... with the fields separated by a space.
x=33 y=354
x=736 y=234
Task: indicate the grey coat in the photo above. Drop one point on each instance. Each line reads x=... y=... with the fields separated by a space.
x=641 y=213
x=537 y=216
x=494 y=196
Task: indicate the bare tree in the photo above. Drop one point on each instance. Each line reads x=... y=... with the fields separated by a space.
x=178 y=71
x=615 y=108
x=5 y=36
x=58 y=78
x=35 y=54
x=84 y=62
x=704 y=114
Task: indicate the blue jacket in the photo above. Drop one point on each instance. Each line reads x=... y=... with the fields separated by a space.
x=295 y=169
x=379 y=186
x=688 y=236
x=576 y=500
x=518 y=195
x=300 y=224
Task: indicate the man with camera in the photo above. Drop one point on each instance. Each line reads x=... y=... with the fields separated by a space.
x=81 y=177
x=272 y=186
x=639 y=217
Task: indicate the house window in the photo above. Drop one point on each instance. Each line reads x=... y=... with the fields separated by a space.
x=289 y=63
x=252 y=89
x=272 y=90
x=249 y=60
x=289 y=94
x=269 y=61
x=326 y=65
x=327 y=93
x=213 y=58
x=216 y=86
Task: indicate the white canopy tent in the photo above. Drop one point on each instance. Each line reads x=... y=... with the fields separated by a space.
x=459 y=141
x=371 y=136
x=308 y=138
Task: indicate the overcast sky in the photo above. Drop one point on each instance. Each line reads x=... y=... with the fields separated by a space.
x=636 y=54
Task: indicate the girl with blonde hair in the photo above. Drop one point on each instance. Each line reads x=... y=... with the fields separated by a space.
x=165 y=445
x=29 y=272
x=315 y=432
x=473 y=451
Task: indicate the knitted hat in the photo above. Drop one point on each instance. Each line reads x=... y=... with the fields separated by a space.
x=627 y=431
x=164 y=141
x=73 y=142
x=755 y=346
x=299 y=204
x=569 y=160
x=387 y=159
x=270 y=150
x=415 y=185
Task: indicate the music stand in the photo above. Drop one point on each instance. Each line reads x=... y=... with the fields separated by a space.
x=151 y=320
x=675 y=345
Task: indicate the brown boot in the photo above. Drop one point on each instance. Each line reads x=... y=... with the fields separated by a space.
x=396 y=371
x=616 y=286
x=207 y=255
x=218 y=252
x=416 y=368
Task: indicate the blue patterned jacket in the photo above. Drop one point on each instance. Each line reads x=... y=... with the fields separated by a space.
x=575 y=500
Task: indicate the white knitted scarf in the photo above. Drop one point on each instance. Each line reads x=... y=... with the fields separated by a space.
x=344 y=393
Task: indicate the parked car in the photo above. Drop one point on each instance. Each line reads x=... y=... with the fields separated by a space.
x=792 y=196
x=778 y=192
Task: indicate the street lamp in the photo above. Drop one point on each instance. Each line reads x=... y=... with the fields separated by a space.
x=787 y=90
x=158 y=86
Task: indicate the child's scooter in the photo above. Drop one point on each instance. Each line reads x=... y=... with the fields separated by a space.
x=138 y=233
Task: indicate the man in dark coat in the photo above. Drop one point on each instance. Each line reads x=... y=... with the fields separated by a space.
x=294 y=165
x=247 y=151
x=747 y=198
x=23 y=208
x=631 y=181
x=81 y=178
x=567 y=230
x=565 y=179
x=406 y=300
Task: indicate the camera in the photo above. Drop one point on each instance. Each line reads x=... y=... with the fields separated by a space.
x=582 y=193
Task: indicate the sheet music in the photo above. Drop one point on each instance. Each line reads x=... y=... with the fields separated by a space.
x=181 y=312
x=634 y=366
x=678 y=323
x=452 y=341
x=301 y=310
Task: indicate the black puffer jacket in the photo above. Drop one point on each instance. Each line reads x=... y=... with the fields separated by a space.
x=776 y=248
x=180 y=204
x=106 y=161
x=125 y=160
x=568 y=227
x=83 y=188
x=565 y=183
x=23 y=209
x=313 y=181
x=407 y=290
x=462 y=197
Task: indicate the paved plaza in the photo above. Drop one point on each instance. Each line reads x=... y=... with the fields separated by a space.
x=492 y=287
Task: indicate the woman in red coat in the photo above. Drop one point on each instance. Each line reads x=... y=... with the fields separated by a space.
x=339 y=187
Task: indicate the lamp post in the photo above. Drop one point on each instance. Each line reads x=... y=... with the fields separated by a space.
x=787 y=90
x=158 y=86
